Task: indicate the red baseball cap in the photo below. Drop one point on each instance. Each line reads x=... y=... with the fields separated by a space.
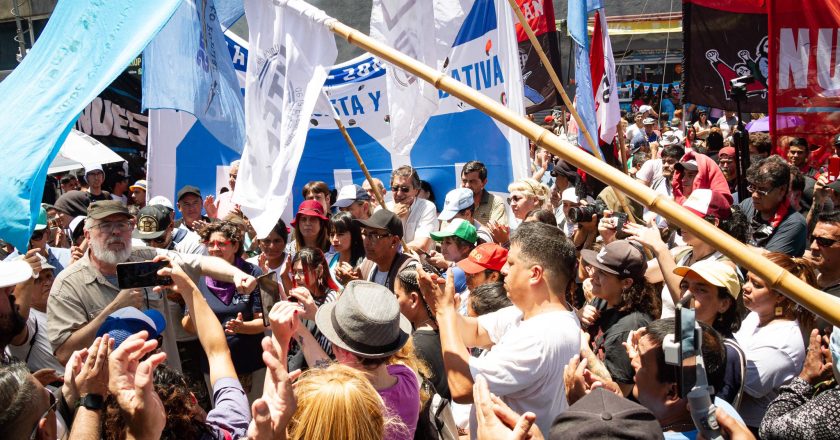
x=310 y=207
x=486 y=256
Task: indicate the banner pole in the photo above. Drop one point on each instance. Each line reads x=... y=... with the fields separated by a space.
x=816 y=301
x=596 y=149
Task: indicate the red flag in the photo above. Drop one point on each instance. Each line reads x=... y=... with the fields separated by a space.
x=805 y=67
x=540 y=93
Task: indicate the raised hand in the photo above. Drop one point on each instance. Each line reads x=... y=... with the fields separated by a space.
x=497 y=421
x=210 y=207
x=304 y=298
x=272 y=412
x=92 y=378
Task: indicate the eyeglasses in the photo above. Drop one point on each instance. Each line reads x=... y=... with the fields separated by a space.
x=53 y=404
x=218 y=243
x=762 y=192
x=111 y=227
x=373 y=237
x=825 y=241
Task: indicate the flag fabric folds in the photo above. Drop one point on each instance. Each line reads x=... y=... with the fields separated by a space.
x=607 y=110
x=540 y=93
x=290 y=53
x=578 y=13
x=195 y=74
x=406 y=25
x=83 y=48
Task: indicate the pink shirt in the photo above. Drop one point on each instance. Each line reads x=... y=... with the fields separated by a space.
x=402 y=400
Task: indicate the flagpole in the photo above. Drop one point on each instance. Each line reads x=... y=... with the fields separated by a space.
x=373 y=185
x=777 y=278
x=596 y=149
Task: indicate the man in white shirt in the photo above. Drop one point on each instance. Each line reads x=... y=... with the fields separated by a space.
x=531 y=341
x=418 y=216
x=636 y=128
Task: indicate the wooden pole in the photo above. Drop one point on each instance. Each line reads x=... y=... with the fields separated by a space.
x=554 y=79
x=777 y=278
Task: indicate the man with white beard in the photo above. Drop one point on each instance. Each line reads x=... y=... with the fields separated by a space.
x=85 y=293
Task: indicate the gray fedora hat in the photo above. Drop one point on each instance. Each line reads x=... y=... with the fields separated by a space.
x=365 y=320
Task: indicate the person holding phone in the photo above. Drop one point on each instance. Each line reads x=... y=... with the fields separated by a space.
x=239 y=312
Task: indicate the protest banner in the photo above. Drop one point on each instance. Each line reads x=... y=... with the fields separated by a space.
x=540 y=93
x=81 y=50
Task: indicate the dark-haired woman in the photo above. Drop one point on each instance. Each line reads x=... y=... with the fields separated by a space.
x=346 y=239
x=624 y=302
x=311 y=228
x=714 y=288
x=273 y=257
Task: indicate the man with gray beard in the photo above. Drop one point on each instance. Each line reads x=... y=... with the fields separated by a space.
x=85 y=293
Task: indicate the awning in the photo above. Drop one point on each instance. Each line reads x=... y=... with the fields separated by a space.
x=642 y=24
x=649 y=56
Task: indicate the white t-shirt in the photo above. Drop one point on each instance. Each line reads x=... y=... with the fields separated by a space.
x=37 y=350
x=775 y=355
x=650 y=171
x=632 y=131
x=525 y=366
x=422 y=220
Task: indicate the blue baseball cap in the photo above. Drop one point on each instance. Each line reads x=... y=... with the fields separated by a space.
x=130 y=320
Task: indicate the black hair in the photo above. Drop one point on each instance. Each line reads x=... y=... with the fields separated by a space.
x=737 y=225
x=426 y=186
x=799 y=142
x=673 y=151
x=475 y=166
x=542 y=216
x=312 y=258
x=829 y=217
x=797 y=179
x=470 y=209
x=488 y=298
x=408 y=172
x=548 y=247
x=342 y=222
x=773 y=172
x=714 y=352
x=281 y=230
x=729 y=321
x=408 y=280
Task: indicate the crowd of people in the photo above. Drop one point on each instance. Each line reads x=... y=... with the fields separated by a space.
x=547 y=314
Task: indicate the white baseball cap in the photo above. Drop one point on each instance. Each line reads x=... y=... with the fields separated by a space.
x=14 y=272
x=569 y=195
x=91 y=167
x=161 y=201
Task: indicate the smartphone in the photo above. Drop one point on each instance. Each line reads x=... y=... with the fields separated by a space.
x=270 y=293
x=141 y=274
x=833 y=168
x=685 y=331
x=620 y=221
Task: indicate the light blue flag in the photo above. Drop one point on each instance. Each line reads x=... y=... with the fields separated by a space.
x=578 y=14
x=229 y=11
x=188 y=67
x=81 y=51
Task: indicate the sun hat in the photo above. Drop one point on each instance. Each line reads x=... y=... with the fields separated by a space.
x=365 y=320
x=14 y=272
x=312 y=208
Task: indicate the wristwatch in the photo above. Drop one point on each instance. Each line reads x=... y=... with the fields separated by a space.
x=93 y=402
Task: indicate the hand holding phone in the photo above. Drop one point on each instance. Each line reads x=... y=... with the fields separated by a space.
x=142 y=274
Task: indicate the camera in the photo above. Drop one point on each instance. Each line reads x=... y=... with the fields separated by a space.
x=739 y=86
x=583 y=214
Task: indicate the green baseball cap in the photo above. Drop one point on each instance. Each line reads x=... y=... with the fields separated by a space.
x=457 y=228
x=41 y=224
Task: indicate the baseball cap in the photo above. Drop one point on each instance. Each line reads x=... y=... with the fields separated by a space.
x=383 y=219
x=601 y=415
x=727 y=151
x=310 y=207
x=152 y=222
x=690 y=165
x=649 y=121
x=485 y=256
x=569 y=195
x=73 y=203
x=91 y=167
x=563 y=168
x=161 y=201
x=457 y=228
x=638 y=144
x=620 y=258
x=716 y=273
x=645 y=108
x=130 y=320
x=188 y=189
x=140 y=184
x=350 y=194
x=41 y=224
x=705 y=202
x=14 y=272
x=456 y=201
x=103 y=208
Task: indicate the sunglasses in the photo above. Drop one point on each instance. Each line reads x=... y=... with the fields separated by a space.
x=825 y=242
x=404 y=189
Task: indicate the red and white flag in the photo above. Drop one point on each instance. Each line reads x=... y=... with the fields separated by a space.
x=602 y=66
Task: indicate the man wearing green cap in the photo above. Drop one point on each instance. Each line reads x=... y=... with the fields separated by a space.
x=457 y=240
x=58 y=258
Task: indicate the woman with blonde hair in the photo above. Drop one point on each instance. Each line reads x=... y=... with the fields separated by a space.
x=771 y=337
x=527 y=195
x=336 y=402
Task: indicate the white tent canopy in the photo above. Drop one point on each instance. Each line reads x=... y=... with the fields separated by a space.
x=80 y=149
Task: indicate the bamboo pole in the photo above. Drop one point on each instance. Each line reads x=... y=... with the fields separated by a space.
x=777 y=278
x=554 y=79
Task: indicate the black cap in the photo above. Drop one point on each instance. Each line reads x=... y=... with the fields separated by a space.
x=189 y=189
x=383 y=219
x=620 y=258
x=563 y=168
x=152 y=222
x=605 y=415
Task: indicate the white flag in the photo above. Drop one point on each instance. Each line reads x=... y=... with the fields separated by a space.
x=407 y=26
x=290 y=53
x=607 y=110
